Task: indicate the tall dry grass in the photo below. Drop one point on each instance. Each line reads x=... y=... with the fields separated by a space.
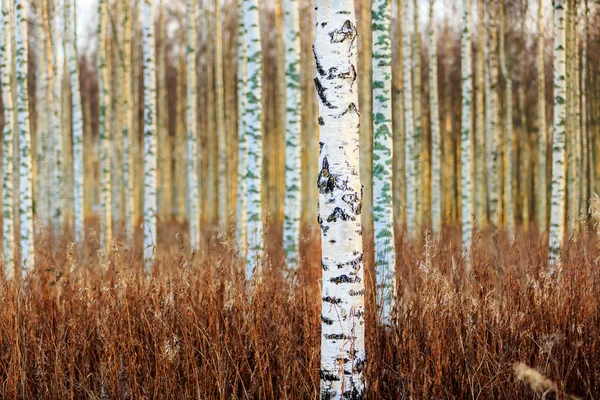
x=84 y=327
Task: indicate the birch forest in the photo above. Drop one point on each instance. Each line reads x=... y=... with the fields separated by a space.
x=300 y=199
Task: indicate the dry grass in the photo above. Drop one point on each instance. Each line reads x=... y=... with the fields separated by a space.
x=84 y=329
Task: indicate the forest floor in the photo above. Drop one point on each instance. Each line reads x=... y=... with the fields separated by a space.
x=83 y=326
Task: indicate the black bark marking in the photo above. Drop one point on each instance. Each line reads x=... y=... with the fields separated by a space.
x=326 y=182
x=328 y=376
x=327 y=321
x=335 y=336
x=332 y=300
x=347 y=31
x=321 y=121
x=343 y=279
x=351 y=109
x=321 y=93
x=320 y=69
x=357 y=292
x=338 y=213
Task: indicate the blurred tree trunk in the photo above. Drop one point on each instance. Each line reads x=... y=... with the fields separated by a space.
x=542 y=201
x=509 y=177
x=104 y=130
x=77 y=119
x=293 y=124
x=254 y=136
x=480 y=164
x=382 y=170
x=150 y=137
x=412 y=156
x=241 y=205
x=192 y=148
x=127 y=126
x=6 y=61
x=466 y=149
x=557 y=214
x=223 y=185
x=436 y=150
x=25 y=157
x=419 y=145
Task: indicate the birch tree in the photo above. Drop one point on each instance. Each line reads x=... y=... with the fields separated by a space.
x=557 y=214
x=103 y=129
x=150 y=144
x=436 y=149
x=192 y=152
x=383 y=211
x=509 y=175
x=241 y=210
x=77 y=118
x=254 y=136
x=340 y=201
x=25 y=154
x=418 y=127
x=491 y=115
x=542 y=201
x=223 y=210
x=466 y=147
x=293 y=119
x=412 y=156
x=480 y=165
x=6 y=57
x=127 y=126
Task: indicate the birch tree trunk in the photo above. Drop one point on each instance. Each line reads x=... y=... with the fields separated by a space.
x=293 y=122
x=25 y=156
x=491 y=115
x=254 y=136
x=466 y=147
x=480 y=165
x=542 y=176
x=542 y=201
x=412 y=157
x=6 y=57
x=192 y=156
x=420 y=169
x=383 y=211
x=510 y=172
x=223 y=211
x=150 y=145
x=104 y=131
x=585 y=192
x=241 y=206
x=557 y=214
x=127 y=127
x=436 y=149
x=340 y=200
x=77 y=118
x=41 y=183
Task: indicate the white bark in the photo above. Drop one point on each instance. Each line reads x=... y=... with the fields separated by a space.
x=104 y=131
x=192 y=153
x=77 y=118
x=254 y=136
x=340 y=201
x=6 y=57
x=242 y=73
x=436 y=150
x=466 y=129
x=150 y=143
x=223 y=211
x=383 y=211
x=412 y=156
x=293 y=120
x=510 y=172
x=25 y=155
x=557 y=214
x=542 y=181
